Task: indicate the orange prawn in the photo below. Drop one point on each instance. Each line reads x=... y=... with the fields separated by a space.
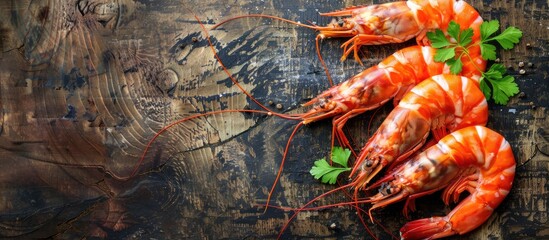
x=474 y=159
x=398 y=22
x=394 y=22
x=441 y=104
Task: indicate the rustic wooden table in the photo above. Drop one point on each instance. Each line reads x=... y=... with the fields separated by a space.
x=86 y=84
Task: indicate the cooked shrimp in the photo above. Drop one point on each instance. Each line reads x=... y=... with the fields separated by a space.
x=398 y=22
x=393 y=22
x=474 y=159
x=438 y=104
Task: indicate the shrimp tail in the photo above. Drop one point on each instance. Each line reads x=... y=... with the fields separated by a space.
x=489 y=184
x=467 y=216
x=426 y=228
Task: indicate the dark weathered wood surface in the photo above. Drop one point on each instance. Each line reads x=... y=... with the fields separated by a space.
x=85 y=85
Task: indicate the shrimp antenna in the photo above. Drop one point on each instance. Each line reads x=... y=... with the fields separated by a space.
x=312 y=26
x=279 y=173
x=267 y=110
x=234 y=80
x=353 y=203
x=166 y=128
x=297 y=211
x=265 y=16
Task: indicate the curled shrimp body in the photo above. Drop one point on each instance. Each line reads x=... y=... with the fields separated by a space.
x=439 y=104
x=474 y=159
x=398 y=22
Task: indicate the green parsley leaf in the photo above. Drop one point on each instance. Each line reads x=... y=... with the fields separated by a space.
x=466 y=37
x=453 y=30
x=455 y=65
x=488 y=51
x=444 y=54
x=496 y=71
x=485 y=88
x=325 y=172
x=488 y=28
x=438 y=39
x=508 y=38
x=341 y=156
x=504 y=88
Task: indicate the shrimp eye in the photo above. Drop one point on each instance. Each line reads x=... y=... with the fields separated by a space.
x=322 y=102
x=334 y=23
x=369 y=163
x=385 y=189
x=340 y=22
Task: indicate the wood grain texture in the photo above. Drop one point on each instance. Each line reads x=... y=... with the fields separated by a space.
x=84 y=85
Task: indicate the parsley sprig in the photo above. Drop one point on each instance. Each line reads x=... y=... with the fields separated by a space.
x=328 y=173
x=452 y=50
x=503 y=86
